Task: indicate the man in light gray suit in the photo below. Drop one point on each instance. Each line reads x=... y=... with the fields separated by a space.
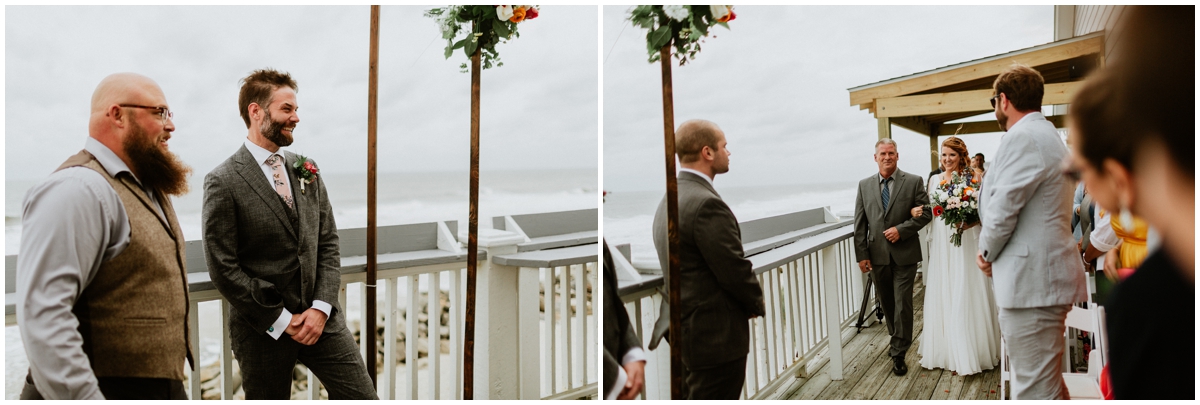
x=887 y=245
x=272 y=251
x=720 y=292
x=1025 y=244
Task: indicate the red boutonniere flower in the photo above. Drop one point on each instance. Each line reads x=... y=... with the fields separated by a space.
x=306 y=171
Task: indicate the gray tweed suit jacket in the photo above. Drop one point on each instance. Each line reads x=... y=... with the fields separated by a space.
x=719 y=288
x=263 y=256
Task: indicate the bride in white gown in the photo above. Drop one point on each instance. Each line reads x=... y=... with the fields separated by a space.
x=961 y=331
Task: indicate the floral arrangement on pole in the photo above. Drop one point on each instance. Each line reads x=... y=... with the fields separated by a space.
x=492 y=24
x=956 y=201
x=684 y=26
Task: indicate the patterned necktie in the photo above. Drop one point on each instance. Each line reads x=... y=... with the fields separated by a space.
x=279 y=179
x=885 y=192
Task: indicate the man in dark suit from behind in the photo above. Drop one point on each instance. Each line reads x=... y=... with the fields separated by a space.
x=624 y=360
x=719 y=290
x=272 y=250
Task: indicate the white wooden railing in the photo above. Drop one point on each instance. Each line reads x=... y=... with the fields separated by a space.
x=811 y=285
x=522 y=350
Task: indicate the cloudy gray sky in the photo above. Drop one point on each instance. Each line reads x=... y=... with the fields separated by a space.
x=776 y=83
x=539 y=111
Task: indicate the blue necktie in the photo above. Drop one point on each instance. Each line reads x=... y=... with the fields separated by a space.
x=885 y=192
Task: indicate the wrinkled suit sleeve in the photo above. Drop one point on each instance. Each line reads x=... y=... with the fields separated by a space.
x=1012 y=181
x=862 y=250
x=329 y=262
x=718 y=239
x=910 y=226
x=251 y=296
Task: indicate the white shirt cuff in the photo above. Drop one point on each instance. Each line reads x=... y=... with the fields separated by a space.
x=634 y=354
x=618 y=386
x=322 y=306
x=280 y=324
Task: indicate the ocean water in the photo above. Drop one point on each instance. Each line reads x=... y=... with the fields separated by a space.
x=403 y=198
x=628 y=216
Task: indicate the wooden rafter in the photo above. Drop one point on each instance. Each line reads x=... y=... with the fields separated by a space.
x=962 y=101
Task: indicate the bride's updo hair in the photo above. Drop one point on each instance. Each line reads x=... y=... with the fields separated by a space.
x=960 y=147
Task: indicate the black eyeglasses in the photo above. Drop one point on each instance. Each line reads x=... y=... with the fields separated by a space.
x=993 y=100
x=163 y=112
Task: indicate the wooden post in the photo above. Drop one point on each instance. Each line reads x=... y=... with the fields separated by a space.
x=676 y=329
x=885 y=128
x=934 y=150
x=368 y=332
x=472 y=236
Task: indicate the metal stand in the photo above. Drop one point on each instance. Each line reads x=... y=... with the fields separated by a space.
x=862 y=310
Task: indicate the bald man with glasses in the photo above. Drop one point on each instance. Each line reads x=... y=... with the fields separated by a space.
x=101 y=279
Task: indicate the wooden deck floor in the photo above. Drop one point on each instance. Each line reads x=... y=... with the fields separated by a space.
x=867 y=372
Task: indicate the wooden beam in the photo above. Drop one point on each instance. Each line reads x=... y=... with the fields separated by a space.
x=992 y=66
x=963 y=101
x=983 y=127
x=368 y=331
x=915 y=124
x=885 y=128
x=934 y=148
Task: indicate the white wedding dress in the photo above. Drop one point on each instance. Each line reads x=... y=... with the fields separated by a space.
x=961 y=331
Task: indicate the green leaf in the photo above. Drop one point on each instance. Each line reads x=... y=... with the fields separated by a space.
x=501 y=29
x=726 y=25
x=660 y=37
x=461 y=43
x=471 y=46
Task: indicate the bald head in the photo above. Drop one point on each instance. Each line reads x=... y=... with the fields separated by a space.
x=692 y=136
x=122 y=88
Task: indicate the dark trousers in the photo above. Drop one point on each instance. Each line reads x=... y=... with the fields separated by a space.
x=267 y=364
x=894 y=287
x=123 y=388
x=722 y=381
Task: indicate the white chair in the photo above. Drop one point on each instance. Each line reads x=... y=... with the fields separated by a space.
x=1090 y=319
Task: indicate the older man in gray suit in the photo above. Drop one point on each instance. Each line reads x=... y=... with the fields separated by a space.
x=1025 y=244
x=886 y=242
x=272 y=251
x=720 y=292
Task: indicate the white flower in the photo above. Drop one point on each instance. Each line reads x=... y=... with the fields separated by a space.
x=719 y=12
x=504 y=12
x=676 y=12
x=953 y=200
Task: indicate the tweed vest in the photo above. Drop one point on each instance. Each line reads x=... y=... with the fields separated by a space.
x=133 y=314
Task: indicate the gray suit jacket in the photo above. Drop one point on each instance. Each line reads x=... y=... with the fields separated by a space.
x=719 y=288
x=263 y=256
x=1026 y=217
x=871 y=219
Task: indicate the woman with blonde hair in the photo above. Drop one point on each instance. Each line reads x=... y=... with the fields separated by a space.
x=962 y=331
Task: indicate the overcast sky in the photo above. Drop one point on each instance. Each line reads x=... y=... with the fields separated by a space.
x=539 y=111
x=776 y=84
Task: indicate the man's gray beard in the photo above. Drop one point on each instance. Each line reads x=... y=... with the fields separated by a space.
x=156 y=169
x=273 y=131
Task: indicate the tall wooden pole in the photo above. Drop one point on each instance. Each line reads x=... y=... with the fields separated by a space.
x=368 y=332
x=472 y=237
x=676 y=329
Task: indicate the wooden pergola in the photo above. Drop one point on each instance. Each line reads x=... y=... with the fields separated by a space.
x=923 y=102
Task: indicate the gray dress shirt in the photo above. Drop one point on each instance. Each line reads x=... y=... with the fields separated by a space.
x=71 y=224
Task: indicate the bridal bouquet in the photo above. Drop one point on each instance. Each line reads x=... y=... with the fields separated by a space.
x=956 y=201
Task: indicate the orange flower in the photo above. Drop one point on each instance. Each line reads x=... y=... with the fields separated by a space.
x=943 y=181
x=975 y=180
x=518 y=15
x=727 y=15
